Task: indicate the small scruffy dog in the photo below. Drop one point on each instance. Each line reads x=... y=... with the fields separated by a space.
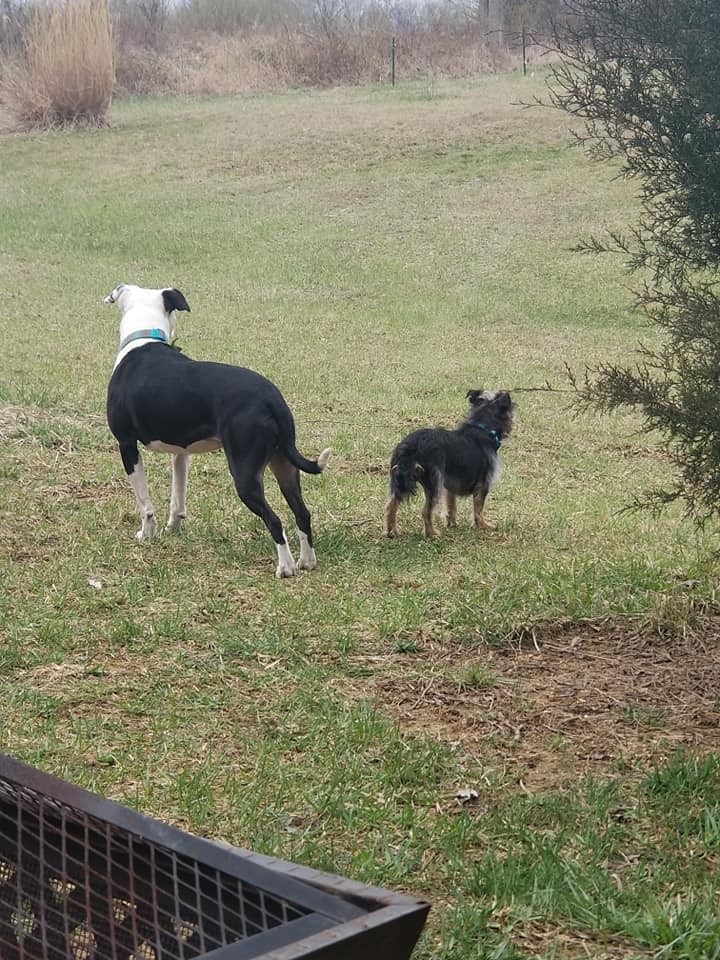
x=463 y=462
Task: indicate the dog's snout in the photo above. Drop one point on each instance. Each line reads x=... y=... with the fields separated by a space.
x=115 y=293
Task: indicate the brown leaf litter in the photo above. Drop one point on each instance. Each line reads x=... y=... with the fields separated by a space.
x=568 y=702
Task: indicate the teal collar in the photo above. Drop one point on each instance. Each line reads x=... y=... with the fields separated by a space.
x=155 y=334
x=491 y=433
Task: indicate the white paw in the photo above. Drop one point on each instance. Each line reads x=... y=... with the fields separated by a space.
x=285 y=569
x=286 y=564
x=307 y=561
x=147 y=530
x=174 y=524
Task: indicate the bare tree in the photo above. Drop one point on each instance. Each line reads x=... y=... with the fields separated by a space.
x=155 y=13
x=488 y=16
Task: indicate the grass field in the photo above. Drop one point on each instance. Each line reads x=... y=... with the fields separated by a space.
x=375 y=252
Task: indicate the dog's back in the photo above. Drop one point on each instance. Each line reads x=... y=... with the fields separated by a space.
x=157 y=393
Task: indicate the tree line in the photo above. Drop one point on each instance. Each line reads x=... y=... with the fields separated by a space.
x=500 y=21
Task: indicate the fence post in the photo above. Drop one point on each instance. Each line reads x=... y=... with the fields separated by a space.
x=524 y=57
x=392 y=70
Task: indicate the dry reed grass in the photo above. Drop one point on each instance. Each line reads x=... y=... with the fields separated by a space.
x=64 y=74
x=208 y=64
x=197 y=66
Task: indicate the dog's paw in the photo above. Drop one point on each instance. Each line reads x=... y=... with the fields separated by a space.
x=175 y=524
x=307 y=561
x=285 y=569
x=147 y=530
x=483 y=524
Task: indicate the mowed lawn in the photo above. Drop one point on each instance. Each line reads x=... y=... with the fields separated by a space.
x=376 y=253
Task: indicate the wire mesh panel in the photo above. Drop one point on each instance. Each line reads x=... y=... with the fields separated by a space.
x=82 y=878
x=74 y=886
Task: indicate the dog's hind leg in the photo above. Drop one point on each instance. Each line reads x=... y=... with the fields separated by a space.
x=248 y=479
x=450 y=509
x=180 y=468
x=432 y=485
x=288 y=478
x=132 y=461
x=479 y=497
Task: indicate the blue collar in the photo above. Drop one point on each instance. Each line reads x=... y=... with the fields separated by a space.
x=155 y=334
x=492 y=433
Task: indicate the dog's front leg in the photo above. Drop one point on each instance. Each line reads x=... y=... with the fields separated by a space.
x=132 y=461
x=427 y=515
x=180 y=468
x=391 y=509
x=450 y=509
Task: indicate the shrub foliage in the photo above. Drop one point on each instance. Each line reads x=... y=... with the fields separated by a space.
x=644 y=75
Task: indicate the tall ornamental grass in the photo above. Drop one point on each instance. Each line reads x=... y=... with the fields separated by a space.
x=64 y=73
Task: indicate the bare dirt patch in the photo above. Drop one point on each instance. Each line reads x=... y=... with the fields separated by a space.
x=570 y=702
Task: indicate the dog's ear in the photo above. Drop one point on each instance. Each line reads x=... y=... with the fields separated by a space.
x=474 y=395
x=174 y=300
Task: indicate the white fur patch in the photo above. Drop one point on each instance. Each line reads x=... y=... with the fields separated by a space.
x=141 y=309
x=307 y=559
x=496 y=472
x=324 y=457
x=138 y=482
x=286 y=564
x=180 y=468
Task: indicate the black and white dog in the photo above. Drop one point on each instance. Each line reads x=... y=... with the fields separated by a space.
x=463 y=462
x=170 y=403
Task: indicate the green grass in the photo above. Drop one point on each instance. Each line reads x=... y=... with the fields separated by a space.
x=376 y=253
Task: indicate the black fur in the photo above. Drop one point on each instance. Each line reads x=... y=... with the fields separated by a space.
x=462 y=461
x=158 y=394
x=174 y=300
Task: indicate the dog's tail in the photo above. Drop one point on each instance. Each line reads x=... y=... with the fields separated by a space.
x=302 y=463
x=405 y=472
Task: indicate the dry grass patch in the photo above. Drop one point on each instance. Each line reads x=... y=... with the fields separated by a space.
x=12 y=419
x=566 y=703
x=539 y=939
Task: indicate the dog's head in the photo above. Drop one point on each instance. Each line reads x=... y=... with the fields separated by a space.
x=152 y=304
x=493 y=408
